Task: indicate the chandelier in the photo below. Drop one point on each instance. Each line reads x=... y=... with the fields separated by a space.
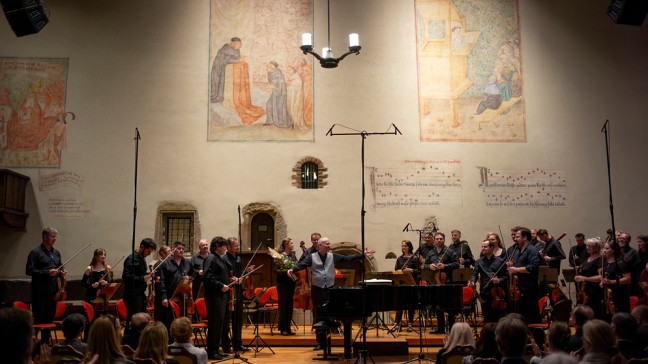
x=326 y=59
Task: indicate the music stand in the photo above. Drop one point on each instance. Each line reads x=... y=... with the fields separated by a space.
x=106 y=293
x=252 y=307
x=184 y=288
x=546 y=274
x=461 y=275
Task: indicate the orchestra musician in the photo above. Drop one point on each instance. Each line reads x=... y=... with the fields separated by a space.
x=615 y=276
x=136 y=278
x=631 y=258
x=44 y=267
x=588 y=272
x=197 y=262
x=553 y=253
x=216 y=283
x=492 y=280
x=537 y=243
x=407 y=262
x=441 y=261
x=285 y=285
x=498 y=249
x=524 y=265
x=234 y=313
x=96 y=276
x=461 y=249
x=578 y=253
x=427 y=246
x=315 y=237
x=172 y=272
x=322 y=264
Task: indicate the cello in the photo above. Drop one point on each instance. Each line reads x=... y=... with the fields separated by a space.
x=301 y=297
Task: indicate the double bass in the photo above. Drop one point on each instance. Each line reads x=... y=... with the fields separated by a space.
x=301 y=297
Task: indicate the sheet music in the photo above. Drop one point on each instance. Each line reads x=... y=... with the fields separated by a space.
x=533 y=188
x=418 y=184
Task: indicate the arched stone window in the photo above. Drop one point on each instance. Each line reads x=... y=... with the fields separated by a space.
x=309 y=173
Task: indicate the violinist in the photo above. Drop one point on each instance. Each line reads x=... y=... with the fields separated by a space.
x=315 y=237
x=615 y=276
x=136 y=279
x=407 y=262
x=97 y=275
x=524 y=265
x=441 y=260
x=498 y=246
x=426 y=247
x=578 y=253
x=197 y=262
x=631 y=258
x=588 y=279
x=172 y=272
x=44 y=266
x=553 y=253
x=285 y=285
x=462 y=249
x=235 y=312
x=492 y=280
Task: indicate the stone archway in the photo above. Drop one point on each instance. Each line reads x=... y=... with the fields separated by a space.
x=252 y=209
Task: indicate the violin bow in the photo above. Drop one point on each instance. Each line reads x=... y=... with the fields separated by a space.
x=72 y=257
x=245 y=275
x=110 y=270
x=163 y=260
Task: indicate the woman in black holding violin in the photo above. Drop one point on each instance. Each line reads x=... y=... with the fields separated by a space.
x=492 y=280
x=615 y=281
x=407 y=262
x=588 y=278
x=97 y=275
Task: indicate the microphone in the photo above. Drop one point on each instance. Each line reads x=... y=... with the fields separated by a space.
x=605 y=125
x=137 y=134
x=406 y=228
x=396 y=129
x=330 y=131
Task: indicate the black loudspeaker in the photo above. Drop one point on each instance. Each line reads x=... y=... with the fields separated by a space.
x=25 y=16
x=629 y=12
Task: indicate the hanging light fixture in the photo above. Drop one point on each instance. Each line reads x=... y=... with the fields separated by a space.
x=326 y=59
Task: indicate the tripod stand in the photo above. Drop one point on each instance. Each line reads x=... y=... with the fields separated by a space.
x=363 y=353
x=252 y=308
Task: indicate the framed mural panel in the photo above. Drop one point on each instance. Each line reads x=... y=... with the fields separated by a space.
x=32 y=111
x=470 y=71
x=260 y=83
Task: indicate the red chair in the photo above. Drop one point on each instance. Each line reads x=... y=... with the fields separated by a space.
x=269 y=303
x=38 y=327
x=200 y=327
x=176 y=309
x=61 y=309
x=89 y=311
x=633 y=302
x=121 y=309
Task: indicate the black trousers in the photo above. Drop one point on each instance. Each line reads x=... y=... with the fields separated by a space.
x=216 y=307
x=43 y=309
x=285 y=291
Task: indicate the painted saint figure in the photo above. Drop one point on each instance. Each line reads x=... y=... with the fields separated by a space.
x=228 y=53
x=277 y=104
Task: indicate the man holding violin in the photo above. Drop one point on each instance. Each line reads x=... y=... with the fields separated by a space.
x=492 y=277
x=524 y=275
x=441 y=260
x=173 y=272
x=44 y=266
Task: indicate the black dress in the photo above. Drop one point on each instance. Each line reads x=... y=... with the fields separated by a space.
x=593 y=289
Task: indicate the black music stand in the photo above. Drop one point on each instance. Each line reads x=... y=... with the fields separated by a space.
x=546 y=274
x=180 y=295
x=461 y=275
x=252 y=307
x=569 y=274
x=106 y=293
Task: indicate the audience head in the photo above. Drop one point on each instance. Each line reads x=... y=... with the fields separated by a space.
x=181 y=330
x=511 y=335
x=139 y=321
x=102 y=340
x=460 y=334
x=624 y=325
x=559 y=358
x=486 y=341
x=73 y=325
x=640 y=313
x=598 y=336
x=153 y=343
x=16 y=335
x=558 y=336
x=581 y=314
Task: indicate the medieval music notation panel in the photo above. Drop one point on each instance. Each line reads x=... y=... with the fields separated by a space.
x=534 y=188
x=417 y=184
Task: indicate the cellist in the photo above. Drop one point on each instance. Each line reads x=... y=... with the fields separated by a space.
x=43 y=265
x=441 y=261
x=492 y=279
x=588 y=274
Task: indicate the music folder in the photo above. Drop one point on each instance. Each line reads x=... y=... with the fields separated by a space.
x=569 y=274
x=106 y=293
x=184 y=287
x=546 y=274
x=397 y=277
x=461 y=275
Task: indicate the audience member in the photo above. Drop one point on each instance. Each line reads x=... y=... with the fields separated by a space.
x=460 y=335
x=579 y=316
x=511 y=338
x=486 y=347
x=153 y=344
x=102 y=341
x=16 y=336
x=181 y=331
x=138 y=322
x=625 y=328
x=558 y=358
x=640 y=313
x=555 y=342
x=598 y=341
x=73 y=327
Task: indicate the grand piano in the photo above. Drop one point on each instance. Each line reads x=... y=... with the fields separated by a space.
x=345 y=303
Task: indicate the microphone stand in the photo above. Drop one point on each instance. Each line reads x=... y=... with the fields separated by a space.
x=612 y=234
x=137 y=139
x=363 y=353
x=422 y=318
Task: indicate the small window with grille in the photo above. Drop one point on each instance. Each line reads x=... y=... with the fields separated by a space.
x=178 y=227
x=309 y=173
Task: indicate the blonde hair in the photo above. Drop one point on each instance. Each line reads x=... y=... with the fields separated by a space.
x=153 y=343
x=598 y=336
x=460 y=334
x=593 y=242
x=284 y=242
x=181 y=329
x=103 y=341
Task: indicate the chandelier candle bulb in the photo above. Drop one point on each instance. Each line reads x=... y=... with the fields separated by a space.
x=354 y=40
x=327 y=52
x=307 y=39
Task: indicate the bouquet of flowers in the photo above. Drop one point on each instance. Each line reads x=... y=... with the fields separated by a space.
x=282 y=261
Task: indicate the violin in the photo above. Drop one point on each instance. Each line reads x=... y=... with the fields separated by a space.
x=515 y=290
x=150 y=296
x=499 y=298
x=440 y=277
x=608 y=299
x=61 y=294
x=582 y=286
